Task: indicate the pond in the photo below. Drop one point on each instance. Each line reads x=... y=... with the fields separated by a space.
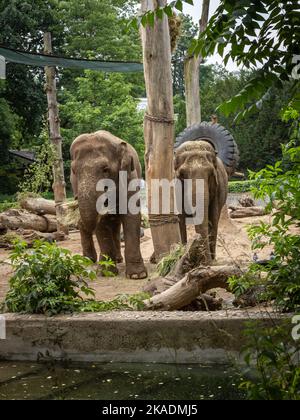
x=111 y=381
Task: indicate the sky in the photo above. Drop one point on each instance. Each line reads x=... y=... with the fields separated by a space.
x=195 y=12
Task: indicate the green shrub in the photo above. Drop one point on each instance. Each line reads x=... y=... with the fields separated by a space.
x=241 y=186
x=280 y=184
x=47 y=279
x=6 y=205
x=276 y=359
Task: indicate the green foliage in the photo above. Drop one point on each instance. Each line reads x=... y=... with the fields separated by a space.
x=120 y=303
x=100 y=101
x=280 y=184
x=254 y=33
x=47 y=279
x=39 y=176
x=276 y=358
x=166 y=264
x=259 y=136
x=240 y=285
x=241 y=186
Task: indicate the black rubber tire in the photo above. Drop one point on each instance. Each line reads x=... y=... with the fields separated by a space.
x=219 y=137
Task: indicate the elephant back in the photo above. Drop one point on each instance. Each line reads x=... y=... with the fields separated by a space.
x=218 y=137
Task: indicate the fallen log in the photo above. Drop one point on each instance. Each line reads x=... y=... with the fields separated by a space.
x=38 y=205
x=241 y=212
x=193 y=284
x=14 y=219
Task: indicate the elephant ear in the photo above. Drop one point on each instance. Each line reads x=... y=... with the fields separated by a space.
x=126 y=160
x=220 y=138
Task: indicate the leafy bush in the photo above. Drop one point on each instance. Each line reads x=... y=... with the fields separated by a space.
x=281 y=185
x=47 y=279
x=277 y=363
x=6 y=205
x=38 y=177
x=241 y=186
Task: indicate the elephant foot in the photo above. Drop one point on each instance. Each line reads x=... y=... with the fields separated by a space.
x=92 y=257
x=136 y=271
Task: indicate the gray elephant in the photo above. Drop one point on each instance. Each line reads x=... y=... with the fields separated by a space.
x=96 y=157
x=208 y=152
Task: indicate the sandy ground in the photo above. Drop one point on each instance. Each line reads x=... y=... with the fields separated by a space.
x=233 y=245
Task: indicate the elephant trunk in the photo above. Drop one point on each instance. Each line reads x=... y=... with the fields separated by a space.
x=203 y=228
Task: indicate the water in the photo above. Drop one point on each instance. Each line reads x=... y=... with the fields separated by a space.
x=111 y=381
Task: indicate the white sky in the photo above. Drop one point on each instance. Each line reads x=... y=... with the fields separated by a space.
x=195 y=12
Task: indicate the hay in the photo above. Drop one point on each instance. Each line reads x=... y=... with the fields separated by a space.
x=175 y=24
x=71 y=214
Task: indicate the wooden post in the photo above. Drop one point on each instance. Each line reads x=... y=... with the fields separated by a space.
x=59 y=185
x=159 y=124
x=191 y=77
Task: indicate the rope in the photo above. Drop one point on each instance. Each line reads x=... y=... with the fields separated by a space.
x=162 y=120
x=162 y=219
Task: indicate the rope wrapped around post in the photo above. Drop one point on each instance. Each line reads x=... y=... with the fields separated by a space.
x=162 y=219
x=161 y=119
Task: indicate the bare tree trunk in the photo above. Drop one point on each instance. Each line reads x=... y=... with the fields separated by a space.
x=159 y=125
x=191 y=76
x=59 y=185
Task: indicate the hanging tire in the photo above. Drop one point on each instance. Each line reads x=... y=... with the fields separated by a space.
x=218 y=137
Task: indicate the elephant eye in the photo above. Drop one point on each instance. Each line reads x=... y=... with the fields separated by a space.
x=105 y=170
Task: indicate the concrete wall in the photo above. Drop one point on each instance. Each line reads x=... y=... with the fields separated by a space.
x=166 y=337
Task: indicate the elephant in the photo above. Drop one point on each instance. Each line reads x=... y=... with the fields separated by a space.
x=101 y=156
x=206 y=152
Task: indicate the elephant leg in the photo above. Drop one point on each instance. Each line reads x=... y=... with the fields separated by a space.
x=116 y=233
x=135 y=268
x=105 y=237
x=87 y=242
x=214 y=217
x=182 y=226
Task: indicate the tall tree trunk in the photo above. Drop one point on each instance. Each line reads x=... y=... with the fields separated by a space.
x=192 y=74
x=59 y=185
x=159 y=124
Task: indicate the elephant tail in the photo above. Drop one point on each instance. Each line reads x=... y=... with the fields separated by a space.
x=219 y=137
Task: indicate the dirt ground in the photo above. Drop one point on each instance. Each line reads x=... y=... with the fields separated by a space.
x=233 y=245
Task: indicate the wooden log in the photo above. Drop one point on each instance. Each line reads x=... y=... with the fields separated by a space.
x=192 y=74
x=159 y=126
x=194 y=283
x=241 y=212
x=14 y=219
x=59 y=185
x=38 y=205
